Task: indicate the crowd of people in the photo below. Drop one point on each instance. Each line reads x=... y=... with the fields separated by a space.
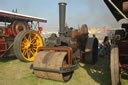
x=104 y=49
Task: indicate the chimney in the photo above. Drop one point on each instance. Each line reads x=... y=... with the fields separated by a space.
x=62 y=8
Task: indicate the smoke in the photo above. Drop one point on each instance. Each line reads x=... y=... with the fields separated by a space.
x=96 y=14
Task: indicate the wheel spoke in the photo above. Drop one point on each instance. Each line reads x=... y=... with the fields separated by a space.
x=33 y=41
x=28 y=54
x=23 y=48
x=31 y=52
x=36 y=44
x=35 y=49
x=25 y=38
x=22 y=43
x=24 y=52
x=29 y=37
x=35 y=38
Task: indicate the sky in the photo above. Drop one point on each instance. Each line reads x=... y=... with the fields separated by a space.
x=94 y=13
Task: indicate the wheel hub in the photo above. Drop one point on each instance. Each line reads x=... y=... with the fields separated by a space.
x=27 y=45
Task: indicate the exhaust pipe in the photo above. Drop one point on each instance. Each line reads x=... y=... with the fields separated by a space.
x=62 y=8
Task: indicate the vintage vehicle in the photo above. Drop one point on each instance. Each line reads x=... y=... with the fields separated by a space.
x=119 y=54
x=60 y=58
x=19 y=35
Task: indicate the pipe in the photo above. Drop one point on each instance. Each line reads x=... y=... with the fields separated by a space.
x=62 y=8
x=125 y=17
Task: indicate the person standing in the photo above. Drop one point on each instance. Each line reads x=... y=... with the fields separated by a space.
x=106 y=45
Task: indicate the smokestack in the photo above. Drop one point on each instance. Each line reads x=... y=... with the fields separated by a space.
x=62 y=8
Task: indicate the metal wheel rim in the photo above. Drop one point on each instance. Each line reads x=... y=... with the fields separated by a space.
x=29 y=45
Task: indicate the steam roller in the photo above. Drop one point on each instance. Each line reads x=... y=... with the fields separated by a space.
x=59 y=59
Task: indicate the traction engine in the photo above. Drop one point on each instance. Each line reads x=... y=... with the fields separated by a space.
x=59 y=59
x=17 y=38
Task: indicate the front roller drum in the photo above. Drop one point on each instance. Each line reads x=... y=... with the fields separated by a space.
x=50 y=63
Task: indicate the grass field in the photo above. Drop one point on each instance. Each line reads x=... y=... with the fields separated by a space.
x=15 y=72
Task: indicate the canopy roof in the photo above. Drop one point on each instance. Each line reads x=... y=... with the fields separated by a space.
x=6 y=16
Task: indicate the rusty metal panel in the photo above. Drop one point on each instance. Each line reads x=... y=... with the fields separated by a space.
x=3 y=46
x=123 y=46
x=66 y=49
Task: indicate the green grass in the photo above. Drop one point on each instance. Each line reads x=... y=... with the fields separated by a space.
x=15 y=72
x=124 y=73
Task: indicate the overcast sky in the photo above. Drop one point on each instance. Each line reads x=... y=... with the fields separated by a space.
x=94 y=13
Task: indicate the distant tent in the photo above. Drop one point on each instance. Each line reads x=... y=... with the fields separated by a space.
x=93 y=30
x=100 y=30
x=107 y=27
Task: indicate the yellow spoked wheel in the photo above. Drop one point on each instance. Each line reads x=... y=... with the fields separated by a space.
x=26 y=45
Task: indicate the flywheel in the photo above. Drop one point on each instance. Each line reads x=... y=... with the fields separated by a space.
x=18 y=26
